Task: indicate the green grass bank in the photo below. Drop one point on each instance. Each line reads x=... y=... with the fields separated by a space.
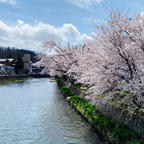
x=111 y=130
x=7 y=80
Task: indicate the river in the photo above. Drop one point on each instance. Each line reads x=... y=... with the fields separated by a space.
x=35 y=112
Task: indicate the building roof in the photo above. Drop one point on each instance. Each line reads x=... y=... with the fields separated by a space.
x=26 y=58
x=3 y=60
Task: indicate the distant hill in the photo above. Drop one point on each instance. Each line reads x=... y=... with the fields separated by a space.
x=15 y=53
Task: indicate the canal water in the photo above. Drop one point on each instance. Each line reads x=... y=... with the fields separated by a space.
x=35 y=112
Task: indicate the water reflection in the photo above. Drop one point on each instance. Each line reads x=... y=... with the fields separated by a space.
x=35 y=112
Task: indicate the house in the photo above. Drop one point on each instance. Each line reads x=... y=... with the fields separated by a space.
x=10 y=70
x=7 y=70
x=7 y=66
x=7 y=61
x=27 y=63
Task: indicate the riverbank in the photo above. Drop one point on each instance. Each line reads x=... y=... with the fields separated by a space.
x=111 y=130
x=4 y=79
x=11 y=79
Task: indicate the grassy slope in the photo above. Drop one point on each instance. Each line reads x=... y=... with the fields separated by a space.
x=111 y=130
x=6 y=81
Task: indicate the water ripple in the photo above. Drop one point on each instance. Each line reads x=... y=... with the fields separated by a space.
x=35 y=112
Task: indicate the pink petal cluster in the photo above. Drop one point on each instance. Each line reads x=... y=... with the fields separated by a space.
x=114 y=59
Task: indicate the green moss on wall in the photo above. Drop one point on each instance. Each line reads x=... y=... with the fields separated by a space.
x=112 y=131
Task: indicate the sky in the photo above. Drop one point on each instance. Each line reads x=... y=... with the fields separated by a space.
x=27 y=23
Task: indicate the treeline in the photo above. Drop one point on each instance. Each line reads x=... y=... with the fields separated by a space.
x=15 y=53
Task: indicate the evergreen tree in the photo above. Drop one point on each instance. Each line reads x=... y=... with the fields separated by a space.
x=19 y=63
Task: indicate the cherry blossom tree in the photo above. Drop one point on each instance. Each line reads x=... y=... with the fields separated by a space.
x=113 y=59
x=122 y=40
x=63 y=58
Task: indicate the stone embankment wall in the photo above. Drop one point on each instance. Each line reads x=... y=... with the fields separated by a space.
x=110 y=127
x=134 y=122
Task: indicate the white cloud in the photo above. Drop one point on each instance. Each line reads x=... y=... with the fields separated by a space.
x=11 y=2
x=84 y=3
x=20 y=22
x=28 y=36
